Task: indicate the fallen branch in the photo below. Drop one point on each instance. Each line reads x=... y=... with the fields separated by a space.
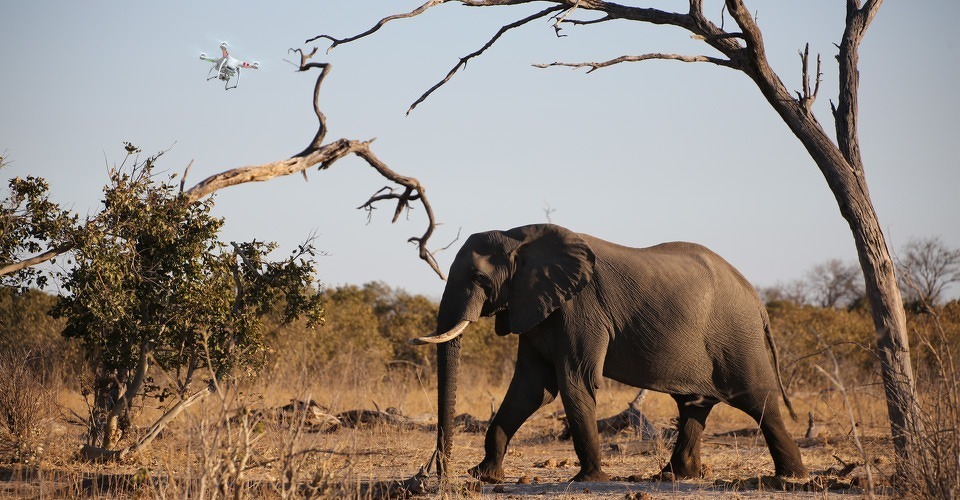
x=97 y=454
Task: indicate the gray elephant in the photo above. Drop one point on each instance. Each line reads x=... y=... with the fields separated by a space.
x=674 y=318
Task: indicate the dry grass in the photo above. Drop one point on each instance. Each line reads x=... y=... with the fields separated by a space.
x=26 y=406
x=225 y=448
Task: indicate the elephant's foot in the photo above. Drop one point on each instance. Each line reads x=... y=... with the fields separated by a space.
x=593 y=476
x=681 y=470
x=791 y=471
x=787 y=461
x=487 y=472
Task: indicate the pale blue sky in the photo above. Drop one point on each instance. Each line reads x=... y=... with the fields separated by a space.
x=637 y=153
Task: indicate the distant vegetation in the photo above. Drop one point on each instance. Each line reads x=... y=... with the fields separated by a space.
x=153 y=306
x=371 y=324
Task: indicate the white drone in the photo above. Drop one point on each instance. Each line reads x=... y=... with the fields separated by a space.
x=227 y=67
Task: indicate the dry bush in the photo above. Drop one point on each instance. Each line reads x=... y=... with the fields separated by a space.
x=25 y=325
x=934 y=467
x=850 y=334
x=26 y=406
x=235 y=445
x=364 y=338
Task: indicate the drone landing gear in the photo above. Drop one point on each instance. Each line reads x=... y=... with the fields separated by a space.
x=226 y=86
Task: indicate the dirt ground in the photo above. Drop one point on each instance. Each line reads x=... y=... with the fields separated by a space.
x=538 y=463
x=355 y=461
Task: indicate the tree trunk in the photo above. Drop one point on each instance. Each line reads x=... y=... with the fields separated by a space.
x=845 y=177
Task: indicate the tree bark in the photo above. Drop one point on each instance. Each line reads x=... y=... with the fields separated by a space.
x=841 y=166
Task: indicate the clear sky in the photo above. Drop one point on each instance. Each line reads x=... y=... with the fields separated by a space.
x=637 y=153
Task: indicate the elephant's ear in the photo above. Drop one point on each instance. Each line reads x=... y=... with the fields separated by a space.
x=551 y=265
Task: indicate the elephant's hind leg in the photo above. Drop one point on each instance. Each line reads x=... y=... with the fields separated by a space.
x=783 y=449
x=534 y=384
x=685 y=461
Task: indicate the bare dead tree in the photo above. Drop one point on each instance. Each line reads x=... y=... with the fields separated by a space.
x=323 y=156
x=835 y=283
x=840 y=163
x=927 y=268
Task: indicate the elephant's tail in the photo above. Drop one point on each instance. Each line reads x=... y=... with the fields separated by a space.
x=776 y=362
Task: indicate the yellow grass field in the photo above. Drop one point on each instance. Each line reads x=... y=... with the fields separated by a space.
x=205 y=454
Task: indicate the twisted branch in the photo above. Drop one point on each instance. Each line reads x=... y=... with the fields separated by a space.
x=315 y=154
x=324 y=69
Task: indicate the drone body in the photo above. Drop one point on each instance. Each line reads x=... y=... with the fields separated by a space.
x=226 y=67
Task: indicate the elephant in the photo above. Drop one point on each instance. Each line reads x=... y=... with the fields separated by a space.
x=674 y=318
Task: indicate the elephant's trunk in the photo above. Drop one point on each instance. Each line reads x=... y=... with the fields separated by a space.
x=448 y=368
x=459 y=307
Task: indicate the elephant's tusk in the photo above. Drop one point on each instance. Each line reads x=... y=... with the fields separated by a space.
x=441 y=338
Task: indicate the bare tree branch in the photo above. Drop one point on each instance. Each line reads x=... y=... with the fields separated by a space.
x=413 y=192
x=96 y=454
x=315 y=154
x=587 y=22
x=645 y=57
x=751 y=32
x=36 y=259
x=322 y=128
x=559 y=18
x=463 y=60
x=846 y=111
x=806 y=98
x=375 y=28
x=183 y=178
x=693 y=21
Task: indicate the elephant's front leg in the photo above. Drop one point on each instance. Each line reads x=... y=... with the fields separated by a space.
x=580 y=403
x=534 y=384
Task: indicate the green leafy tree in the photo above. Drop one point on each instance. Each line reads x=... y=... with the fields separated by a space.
x=30 y=223
x=151 y=283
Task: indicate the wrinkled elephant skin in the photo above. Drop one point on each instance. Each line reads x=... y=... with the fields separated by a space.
x=674 y=318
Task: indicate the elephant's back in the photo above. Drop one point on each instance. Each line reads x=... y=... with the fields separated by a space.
x=687 y=306
x=680 y=260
